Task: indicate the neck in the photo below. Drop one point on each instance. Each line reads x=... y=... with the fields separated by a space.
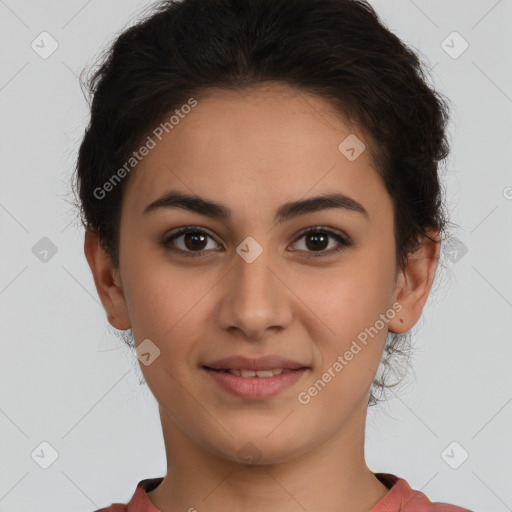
x=332 y=478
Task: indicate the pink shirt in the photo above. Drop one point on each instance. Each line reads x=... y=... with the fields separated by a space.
x=400 y=498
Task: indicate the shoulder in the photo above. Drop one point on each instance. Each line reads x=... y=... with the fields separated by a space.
x=401 y=497
x=139 y=501
x=115 y=507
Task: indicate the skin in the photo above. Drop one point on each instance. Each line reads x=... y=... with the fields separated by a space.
x=253 y=150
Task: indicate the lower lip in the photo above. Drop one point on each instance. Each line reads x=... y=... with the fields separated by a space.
x=256 y=388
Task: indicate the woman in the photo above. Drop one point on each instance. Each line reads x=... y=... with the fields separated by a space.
x=259 y=187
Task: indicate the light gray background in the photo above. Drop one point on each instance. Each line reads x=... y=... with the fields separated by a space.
x=67 y=380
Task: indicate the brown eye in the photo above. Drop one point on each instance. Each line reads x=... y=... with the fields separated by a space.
x=194 y=240
x=191 y=241
x=317 y=241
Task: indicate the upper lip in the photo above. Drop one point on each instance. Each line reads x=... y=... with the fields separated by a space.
x=268 y=362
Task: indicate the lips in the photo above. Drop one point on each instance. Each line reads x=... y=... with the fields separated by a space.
x=251 y=373
x=265 y=363
x=255 y=379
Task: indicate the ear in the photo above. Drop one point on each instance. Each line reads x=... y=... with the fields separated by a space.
x=108 y=282
x=414 y=283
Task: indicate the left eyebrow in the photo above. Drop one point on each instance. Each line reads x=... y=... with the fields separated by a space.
x=287 y=211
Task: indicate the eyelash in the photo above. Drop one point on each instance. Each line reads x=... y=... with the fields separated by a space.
x=344 y=242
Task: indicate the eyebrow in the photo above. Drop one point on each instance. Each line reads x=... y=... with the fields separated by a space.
x=287 y=211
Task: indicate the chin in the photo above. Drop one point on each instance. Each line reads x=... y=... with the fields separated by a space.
x=259 y=450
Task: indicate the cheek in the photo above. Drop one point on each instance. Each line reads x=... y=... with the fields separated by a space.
x=160 y=295
x=353 y=300
x=349 y=353
x=349 y=298
x=166 y=306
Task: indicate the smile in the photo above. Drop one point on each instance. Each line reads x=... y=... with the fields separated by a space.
x=254 y=384
x=252 y=373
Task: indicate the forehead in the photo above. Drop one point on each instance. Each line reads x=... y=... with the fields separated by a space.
x=264 y=145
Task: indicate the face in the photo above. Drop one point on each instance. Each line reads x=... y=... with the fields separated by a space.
x=245 y=283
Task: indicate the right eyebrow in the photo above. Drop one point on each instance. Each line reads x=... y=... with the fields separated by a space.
x=287 y=211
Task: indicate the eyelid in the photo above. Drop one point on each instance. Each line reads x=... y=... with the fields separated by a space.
x=183 y=231
x=323 y=229
x=344 y=241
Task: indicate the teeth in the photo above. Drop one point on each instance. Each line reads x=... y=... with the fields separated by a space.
x=259 y=373
x=265 y=373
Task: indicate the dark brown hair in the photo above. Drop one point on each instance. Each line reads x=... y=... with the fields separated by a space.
x=337 y=49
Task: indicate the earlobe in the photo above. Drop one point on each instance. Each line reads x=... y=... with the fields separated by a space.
x=414 y=283
x=107 y=281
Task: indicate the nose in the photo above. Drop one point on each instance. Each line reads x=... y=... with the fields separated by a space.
x=255 y=299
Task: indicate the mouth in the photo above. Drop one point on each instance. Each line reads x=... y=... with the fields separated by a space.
x=262 y=374
x=255 y=379
x=270 y=362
